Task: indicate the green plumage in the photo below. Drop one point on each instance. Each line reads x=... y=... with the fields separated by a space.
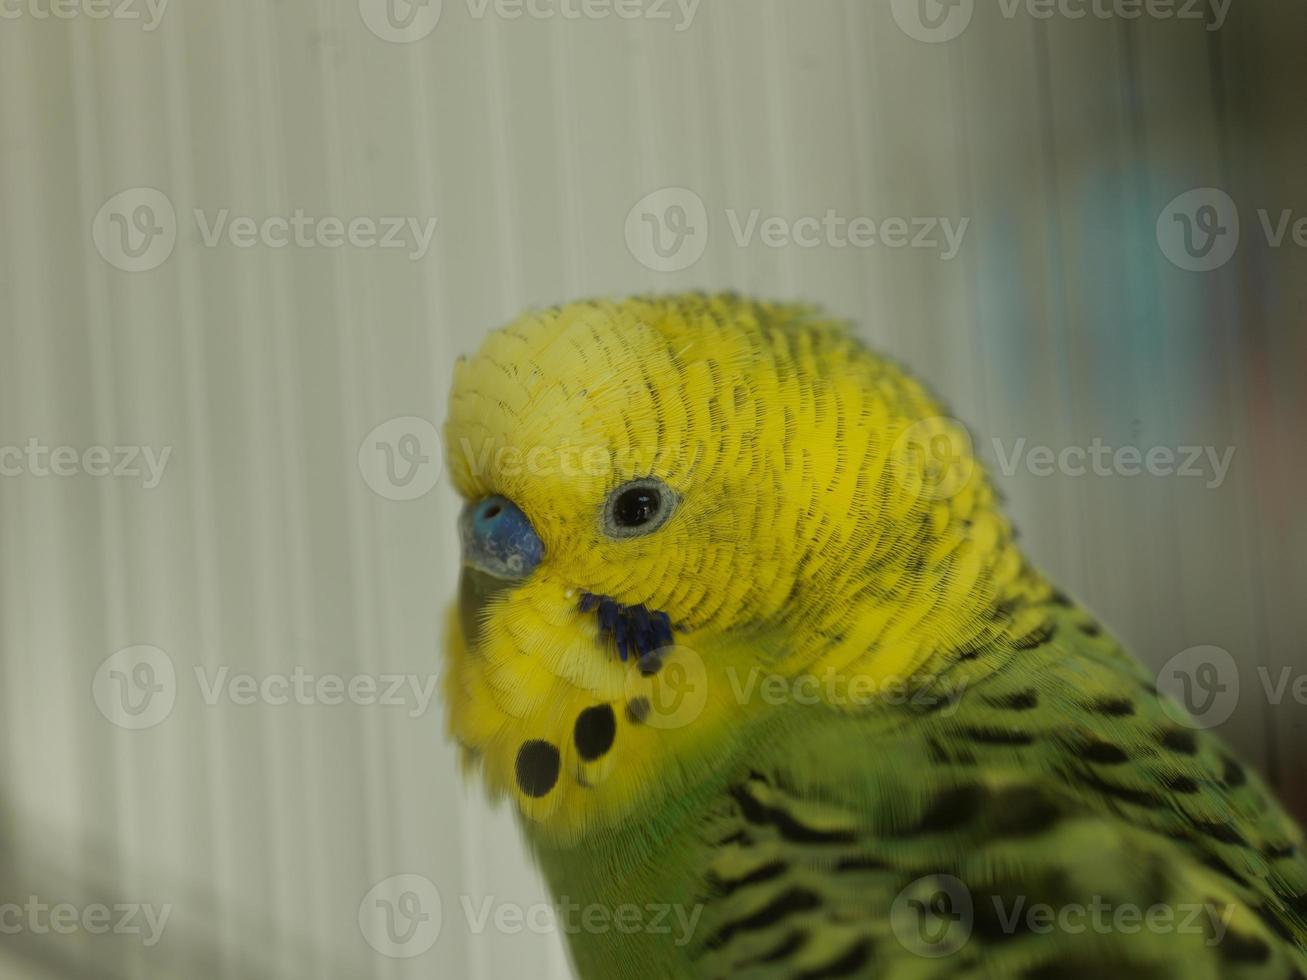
x=1054 y=781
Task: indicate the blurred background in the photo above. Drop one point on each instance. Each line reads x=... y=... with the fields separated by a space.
x=243 y=242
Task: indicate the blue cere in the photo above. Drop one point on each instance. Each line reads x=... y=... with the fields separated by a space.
x=499 y=540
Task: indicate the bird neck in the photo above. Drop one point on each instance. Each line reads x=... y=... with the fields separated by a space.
x=908 y=603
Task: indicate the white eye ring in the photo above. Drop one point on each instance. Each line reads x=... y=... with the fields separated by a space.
x=638 y=508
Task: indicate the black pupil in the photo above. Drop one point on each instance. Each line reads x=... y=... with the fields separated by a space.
x=637 y=506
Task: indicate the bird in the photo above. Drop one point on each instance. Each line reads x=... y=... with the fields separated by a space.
x=744 y=636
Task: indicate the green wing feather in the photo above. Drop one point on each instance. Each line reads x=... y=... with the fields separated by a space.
x=1056 y=781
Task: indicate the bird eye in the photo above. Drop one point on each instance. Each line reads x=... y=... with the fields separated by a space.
x=639 y=507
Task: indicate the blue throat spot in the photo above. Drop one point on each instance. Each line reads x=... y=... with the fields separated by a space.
x=633 y=629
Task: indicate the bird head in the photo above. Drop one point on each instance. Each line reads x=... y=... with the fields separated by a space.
x=665 y=496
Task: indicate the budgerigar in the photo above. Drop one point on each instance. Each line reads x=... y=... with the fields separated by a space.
x=744 y=636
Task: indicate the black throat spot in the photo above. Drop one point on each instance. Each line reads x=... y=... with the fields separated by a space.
x=633 y=629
